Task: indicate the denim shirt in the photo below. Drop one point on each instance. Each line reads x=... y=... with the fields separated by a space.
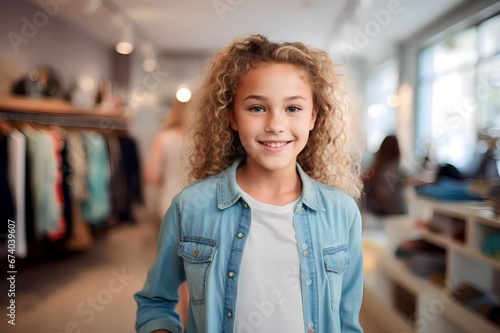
x=203 y=237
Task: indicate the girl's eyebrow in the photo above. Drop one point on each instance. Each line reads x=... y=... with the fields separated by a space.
x=263 y=98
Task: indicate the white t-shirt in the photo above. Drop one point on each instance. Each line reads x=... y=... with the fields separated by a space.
x=269 y=292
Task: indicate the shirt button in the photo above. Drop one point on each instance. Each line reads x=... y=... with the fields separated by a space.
x=310 y=325
x=309 y=282
x=245 y=205
x=310 y=331
x=304 y=246
x=229 y=314
x=230 y=274
x=240 y=235
x=195 y=252
x=305 y=253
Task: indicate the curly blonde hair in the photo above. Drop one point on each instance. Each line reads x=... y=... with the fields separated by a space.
x=327 y=156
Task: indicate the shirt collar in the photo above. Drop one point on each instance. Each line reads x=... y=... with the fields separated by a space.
x=228 y=192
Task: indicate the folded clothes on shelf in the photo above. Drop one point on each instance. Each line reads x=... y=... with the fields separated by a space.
x=448 y=225
x=424 y=264
x=478 y=301
x=448 y=189
x=491 y=246
x=410 y=247
x=421 y=257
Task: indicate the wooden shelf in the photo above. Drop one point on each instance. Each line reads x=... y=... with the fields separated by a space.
x=478 y=256
x=465 y=264
x=489 y=219
x=441 y=240
x=57 y=112
x=468 y=320
x=460 y=209
x=398 y=272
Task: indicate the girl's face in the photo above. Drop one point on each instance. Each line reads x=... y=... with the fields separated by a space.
x=273 y=114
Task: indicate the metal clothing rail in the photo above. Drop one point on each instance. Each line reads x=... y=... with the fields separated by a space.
x=55 y=112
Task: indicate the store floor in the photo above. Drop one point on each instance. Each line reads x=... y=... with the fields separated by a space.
x=91 y=292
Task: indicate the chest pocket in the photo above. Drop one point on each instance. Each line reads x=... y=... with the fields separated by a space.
x=198 y=254
x=337 y=261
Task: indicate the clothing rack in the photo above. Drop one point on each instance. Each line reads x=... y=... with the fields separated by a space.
x=61 y=118
x=57 y=112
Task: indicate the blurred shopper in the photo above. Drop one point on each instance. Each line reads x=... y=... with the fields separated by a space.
x=384 y=181
x=165 y=169
x=488 y=161
x=164 y=166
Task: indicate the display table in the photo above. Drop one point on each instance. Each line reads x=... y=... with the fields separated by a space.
x=411 y=303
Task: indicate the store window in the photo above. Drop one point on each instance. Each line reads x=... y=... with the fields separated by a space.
x=382 y=103
x=458 y=92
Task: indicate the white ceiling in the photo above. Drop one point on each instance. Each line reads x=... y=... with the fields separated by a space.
x=198 y=26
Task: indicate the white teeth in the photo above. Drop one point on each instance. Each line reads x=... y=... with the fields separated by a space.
x=275 y=144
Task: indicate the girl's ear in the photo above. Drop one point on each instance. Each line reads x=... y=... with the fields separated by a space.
x=313 y=119
x=232 y=120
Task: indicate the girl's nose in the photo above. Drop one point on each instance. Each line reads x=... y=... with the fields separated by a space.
x=275 y=122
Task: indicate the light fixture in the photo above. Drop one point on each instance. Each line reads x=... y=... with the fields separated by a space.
x=183 y=93
x=393 y=101
x=126 y=43
x=86 y=83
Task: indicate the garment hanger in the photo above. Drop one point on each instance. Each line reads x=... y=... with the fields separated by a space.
x=37 y=126
x=5 y=127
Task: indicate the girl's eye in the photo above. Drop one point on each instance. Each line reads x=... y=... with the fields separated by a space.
x=293 y=109
x=256 y=109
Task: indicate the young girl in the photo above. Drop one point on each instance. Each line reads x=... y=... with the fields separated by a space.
x=269 y=238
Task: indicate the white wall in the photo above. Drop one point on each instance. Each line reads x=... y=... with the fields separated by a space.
x=153 y=93
x=46 y=40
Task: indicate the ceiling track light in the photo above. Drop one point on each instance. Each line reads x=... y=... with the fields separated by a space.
x=128 y=32
x=183 y=93
x=126 y=43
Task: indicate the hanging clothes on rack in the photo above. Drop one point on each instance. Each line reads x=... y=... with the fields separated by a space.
x=80 y=237
x=17 y=177
x=59 y=184
x=118 y=182
x=43 y=173
x=130 y=157
x=7 y=208
x=97 y=206
x=60 y=190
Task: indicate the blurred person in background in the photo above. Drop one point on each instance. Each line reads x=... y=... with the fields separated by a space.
x=384 y=182
x=165 y=169
x=488 y=164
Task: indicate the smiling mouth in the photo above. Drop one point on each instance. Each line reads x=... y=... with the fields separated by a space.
x=274 y=144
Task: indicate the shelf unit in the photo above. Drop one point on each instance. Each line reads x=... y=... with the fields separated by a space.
x=435 y=310
x=52 y=111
